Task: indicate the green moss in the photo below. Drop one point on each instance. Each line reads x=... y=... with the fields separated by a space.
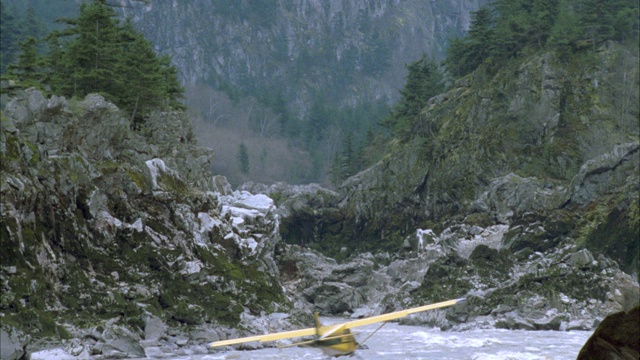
x=444 y=280
x=38 y=323
x=139 y=179
x=479 y=219
x=611 y=228
x=173 y=184
x=109 y=167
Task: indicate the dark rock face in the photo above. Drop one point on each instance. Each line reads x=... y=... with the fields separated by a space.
x=616 y=338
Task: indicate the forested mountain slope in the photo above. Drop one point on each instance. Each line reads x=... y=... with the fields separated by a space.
x=294 y=84
x=292 y=80
x=540 y=125
x=539 y=135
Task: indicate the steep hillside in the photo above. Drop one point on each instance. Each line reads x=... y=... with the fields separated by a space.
x=292 y=79
x=350 y=49
x=113 y=235
x=541 y=137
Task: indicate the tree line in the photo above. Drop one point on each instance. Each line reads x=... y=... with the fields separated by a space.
x=14 y=29
x=509 y=29
x=98 y=53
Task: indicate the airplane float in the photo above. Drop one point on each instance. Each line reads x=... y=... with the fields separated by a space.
x=337 y=339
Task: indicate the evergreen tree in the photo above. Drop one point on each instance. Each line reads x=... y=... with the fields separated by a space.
x=29 y=67
x=542 y=17
x=564 y=32
x=423 y=81
x=317 y=122
x=99 y=54
x=9 y=36
x=142 y=88
x=510 y=28
x=480 y=36
x=465 y=54
x=30 y=25
x=607 y=20
x=93 y=53
x=172 y=88
x=243 y=158
x=456 y=61
x=348 y=157
x=59 y=66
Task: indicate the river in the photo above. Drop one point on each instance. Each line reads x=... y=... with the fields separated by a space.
x=395 y=341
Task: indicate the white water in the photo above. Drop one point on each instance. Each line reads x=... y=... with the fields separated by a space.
x=395 y=341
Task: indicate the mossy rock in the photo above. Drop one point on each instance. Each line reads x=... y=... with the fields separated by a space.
x=482 y=220
x=617 y=337
x=617 y=238
x=139 y=179
x=38 y=323
x=522 y=237
x=444 y=280
x=483 y=255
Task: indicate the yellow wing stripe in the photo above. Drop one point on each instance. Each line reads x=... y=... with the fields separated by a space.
x=333 y=328
x=268 y=337
x=398 y=314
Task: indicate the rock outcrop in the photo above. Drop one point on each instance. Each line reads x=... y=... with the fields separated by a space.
x=540 y=142
x=114 y=237
x=559 y=288
x=617 y=337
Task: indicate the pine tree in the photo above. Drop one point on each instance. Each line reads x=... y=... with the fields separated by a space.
x=99 y=54
x=348 y=157
x=510 y=31
x=480 y=36
x=95 y=52
x=335 y=172
x=173 y=91
x=30 y=24
x=142 y=88
x=243 y=158
x=542 y=17
x=29 y=68
x=424 y=81
x=9 y=36
x=607 y=20
x=565 y=29
x=457 y=62
x=464 y=55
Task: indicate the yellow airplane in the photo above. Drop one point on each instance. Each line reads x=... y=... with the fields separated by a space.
x=337 y=339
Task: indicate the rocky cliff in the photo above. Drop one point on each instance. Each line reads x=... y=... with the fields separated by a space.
x=351 y=49
x=527 y=182
x=116 y=240
x=540 y=137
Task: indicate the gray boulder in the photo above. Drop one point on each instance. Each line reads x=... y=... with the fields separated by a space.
x=13 y=343
x=605 y=172
x=511 y=195
x=119 y=342
x=616 y=338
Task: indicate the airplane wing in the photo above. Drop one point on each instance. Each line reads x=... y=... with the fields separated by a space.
x=332 y=329
x=268 y=337
x=398 y=314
